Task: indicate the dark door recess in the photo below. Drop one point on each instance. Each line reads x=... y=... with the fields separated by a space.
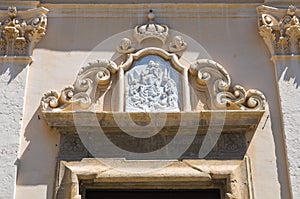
x=155 y=194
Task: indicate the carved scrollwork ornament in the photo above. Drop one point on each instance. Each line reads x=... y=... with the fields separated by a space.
x=281 y=34
x=210 y=74
x=81 y=95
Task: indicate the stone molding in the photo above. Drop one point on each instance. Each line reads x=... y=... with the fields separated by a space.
x=20 y=32
x=280 y=29
x=234 y=179
x=189 y=10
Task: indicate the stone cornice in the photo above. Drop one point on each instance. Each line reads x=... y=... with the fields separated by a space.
x=21 y=5
x=20 y=31
x=189 y=10
x=280 y=29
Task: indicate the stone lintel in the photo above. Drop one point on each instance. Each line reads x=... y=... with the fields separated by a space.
x=231 y=176
x=67 y=121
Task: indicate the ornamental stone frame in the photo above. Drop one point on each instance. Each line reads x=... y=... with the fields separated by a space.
x=150 y=77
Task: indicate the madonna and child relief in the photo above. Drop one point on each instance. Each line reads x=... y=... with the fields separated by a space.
x=152 y=86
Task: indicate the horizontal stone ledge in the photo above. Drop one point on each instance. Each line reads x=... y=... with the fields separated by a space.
x=229 y=120
x=285 y=57
x=189 y=10
x=16 y=59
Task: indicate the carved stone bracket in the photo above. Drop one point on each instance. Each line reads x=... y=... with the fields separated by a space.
x=20 y=31
x=280 y=29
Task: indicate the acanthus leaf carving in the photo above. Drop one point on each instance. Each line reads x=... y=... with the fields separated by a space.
x=81 y=95
x=21 y=31
x=280 y=30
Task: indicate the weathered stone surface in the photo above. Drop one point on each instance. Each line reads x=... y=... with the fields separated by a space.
x=12 y=93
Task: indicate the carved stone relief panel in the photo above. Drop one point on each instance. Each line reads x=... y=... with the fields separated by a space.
x=152 y=85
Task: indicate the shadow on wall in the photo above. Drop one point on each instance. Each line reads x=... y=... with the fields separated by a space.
x=289 y=70
x=11 y=69
x=38 y=161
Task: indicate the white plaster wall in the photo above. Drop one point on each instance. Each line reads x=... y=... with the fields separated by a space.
x=233 y=42
x=12 y=93
x=288 y=72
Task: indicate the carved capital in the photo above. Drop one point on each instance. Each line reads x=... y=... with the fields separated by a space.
x=280 y=29
x=20 y=31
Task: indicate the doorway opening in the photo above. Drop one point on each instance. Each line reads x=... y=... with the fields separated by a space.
x=153 y=193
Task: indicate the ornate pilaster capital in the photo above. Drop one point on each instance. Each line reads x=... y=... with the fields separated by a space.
x=20 y=31
x=280 y=29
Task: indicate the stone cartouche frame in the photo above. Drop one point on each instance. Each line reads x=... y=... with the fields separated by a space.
x=103 y=89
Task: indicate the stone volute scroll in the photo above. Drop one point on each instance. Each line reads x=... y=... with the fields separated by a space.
x=20 y=31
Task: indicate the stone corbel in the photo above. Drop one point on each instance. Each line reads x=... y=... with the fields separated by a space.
x=20 y=31
x=280 y=29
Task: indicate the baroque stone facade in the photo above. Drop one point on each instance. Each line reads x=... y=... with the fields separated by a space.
x=150 y=108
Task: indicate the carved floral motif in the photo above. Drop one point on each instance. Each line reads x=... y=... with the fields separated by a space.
x=21 y=31
x=281 y=33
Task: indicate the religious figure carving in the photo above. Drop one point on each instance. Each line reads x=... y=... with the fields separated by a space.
x=151 y=90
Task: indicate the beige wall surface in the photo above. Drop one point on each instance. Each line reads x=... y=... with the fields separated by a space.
x=232 y=41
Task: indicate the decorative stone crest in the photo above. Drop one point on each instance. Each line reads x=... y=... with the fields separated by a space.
x=151 y=30
x=280 y=30
x=20 y=31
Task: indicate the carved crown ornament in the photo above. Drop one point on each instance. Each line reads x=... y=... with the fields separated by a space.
x=20 y=31
x=153 y=80
x=280 y=29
